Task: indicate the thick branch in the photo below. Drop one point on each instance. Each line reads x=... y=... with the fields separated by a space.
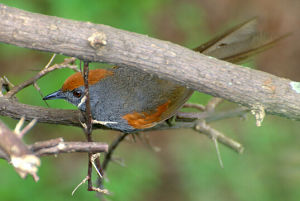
x=100 y=43
x=16 y=110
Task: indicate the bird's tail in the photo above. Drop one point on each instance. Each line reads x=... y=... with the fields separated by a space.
x=239 y=43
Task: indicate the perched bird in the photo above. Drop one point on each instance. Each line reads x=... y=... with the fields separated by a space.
x=127 y=98
x=130 y=100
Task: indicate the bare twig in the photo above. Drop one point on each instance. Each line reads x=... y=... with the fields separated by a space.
x=82 y=182
x=45 y=144
x=146 y=141
x=88 y=113
x=212 y=104
x=27 y=128
x=50 y=61
x=108 y=155
x=93 y=158
x=215 y=116
x=218 y=151
x=5 y=85
x=88 y=131
x=19 y=125
x=88 y=119
x=68 y=63
x=58 y=146
x=202 y=127
x=6 y=80
x=36 y=86
x=111 y=149
x=194 y=105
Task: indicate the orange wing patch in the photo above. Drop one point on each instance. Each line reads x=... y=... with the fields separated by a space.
x=76 y=80
x=146 y=119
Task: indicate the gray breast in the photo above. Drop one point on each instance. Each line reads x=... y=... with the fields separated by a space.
x=128 y=91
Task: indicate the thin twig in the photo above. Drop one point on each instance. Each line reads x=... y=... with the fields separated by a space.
x=111 y=149
x=212 y=104
x=88 y=120
x=50 y=61
x=146 y=141
x=202 y=127
x=36 y=86
x=54 y=148
x=27 y=128
x=88 y=129
x=108 y=155
x=45 y=144
x=58 y=146
x=218 y=152
x=5 y=84
x=88 y=113
x=215 y=116
x=19 y=125
x=194 y=105
x=82 y=182
x=68 y=63
x=93 y=158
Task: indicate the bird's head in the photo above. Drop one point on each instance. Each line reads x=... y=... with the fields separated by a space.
x=73 y=88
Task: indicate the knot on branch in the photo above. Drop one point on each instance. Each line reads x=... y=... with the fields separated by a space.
x=259 y=113
x=97 y=40
x=295 y=86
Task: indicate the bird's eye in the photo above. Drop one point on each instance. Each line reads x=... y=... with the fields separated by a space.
x=77 y=93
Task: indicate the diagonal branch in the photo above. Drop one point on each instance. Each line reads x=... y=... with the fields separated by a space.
x=66 y=64
x=101 y=43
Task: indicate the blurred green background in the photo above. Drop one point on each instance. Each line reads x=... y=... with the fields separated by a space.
x=186 y=167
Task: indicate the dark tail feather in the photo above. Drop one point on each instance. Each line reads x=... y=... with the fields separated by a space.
x=239 y=43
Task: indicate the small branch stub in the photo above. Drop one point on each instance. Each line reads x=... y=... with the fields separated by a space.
x=259 y=113
x=295 y=86
x=214 y=134
x=97 y=40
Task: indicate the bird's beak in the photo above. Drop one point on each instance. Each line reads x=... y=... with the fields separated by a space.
x=55 y=95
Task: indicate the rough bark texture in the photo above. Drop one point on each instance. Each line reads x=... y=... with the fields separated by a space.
x=16 y=110
x=99 y=43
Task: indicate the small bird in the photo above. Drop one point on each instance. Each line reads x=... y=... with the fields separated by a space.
x=128 y=100
x=123 y=98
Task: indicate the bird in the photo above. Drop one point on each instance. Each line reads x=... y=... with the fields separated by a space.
x=125 y=99
x=130 y=100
